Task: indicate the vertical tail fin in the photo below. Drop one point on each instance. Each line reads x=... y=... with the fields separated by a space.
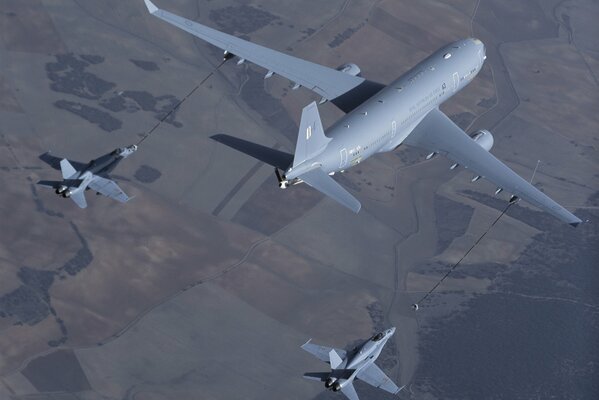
x=67 y=169
x=311 y=139
x=334 y=359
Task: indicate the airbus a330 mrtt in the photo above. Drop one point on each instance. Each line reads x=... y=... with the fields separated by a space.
x=378 y=118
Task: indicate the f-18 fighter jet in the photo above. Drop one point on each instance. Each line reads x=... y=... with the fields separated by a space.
x=355 y=364
x=379 y=118
x=78 y=177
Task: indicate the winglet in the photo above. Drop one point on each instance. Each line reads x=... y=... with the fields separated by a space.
x=151 y=7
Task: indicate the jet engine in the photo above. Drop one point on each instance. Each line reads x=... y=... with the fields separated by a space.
x=336 y=387
x=61 y=189
x=484 y=138
x=350 y=68
x=67 y=193
x=329 y=382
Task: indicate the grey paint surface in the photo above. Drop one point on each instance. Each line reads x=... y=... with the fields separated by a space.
x=358 y=363
x=278 y=267
x=383 y=121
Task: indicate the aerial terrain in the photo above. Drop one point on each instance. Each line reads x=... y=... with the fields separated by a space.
x=209 y=280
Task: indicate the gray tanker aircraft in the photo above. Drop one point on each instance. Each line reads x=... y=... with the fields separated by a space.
x=356 y=364
x=78 y=177
x=378 y=118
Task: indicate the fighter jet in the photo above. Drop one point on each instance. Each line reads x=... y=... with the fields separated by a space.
x=356 y=364
x=379 y=118
x=78 y=177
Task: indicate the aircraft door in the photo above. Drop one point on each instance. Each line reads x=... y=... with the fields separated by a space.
x=343 y=161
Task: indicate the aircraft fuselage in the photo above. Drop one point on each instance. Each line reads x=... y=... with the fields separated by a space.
x=385 y=120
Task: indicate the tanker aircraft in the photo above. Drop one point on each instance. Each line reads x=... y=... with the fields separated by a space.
x=379 y=118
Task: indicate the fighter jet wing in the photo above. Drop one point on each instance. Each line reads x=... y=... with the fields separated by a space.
x=436 y=132
x=377 y=378
x=327 y=82
x=108 y=188
x=54 y=162
x=321 y=352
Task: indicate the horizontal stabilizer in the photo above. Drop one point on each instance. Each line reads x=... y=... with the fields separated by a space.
x=322 y=182
x=79 y=199
x=50 y=184
x=276 y=158
x=350 y=392
x=317 y=376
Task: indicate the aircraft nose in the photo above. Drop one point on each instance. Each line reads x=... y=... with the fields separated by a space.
x=392 y=331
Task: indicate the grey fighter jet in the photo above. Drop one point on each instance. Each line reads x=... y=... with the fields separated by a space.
x=379 y=118
x=78 y=177
x=355 y=364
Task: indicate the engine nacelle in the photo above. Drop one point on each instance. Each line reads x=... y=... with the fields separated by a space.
x=61 y=189
x=484 y=139
x=67 y=193
x=336 y=386
x=350 y=68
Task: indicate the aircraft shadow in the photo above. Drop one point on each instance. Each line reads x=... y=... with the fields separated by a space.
x=276 y=158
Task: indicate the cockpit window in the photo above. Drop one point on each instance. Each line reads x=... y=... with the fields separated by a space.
x=378 y=337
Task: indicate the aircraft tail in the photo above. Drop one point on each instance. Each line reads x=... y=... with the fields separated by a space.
x=50 y=184
x=349 y=391
x=79 y=198
x=317 y=376
x=67 y=169
x=311 y=139
x=334 y=359
x=322 y=182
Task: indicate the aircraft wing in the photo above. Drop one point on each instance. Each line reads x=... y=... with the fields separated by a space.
x=54 y=161
x=321 y=352
x=374 y=376
x=436 y=132
x=108 y=188
x=327 y=82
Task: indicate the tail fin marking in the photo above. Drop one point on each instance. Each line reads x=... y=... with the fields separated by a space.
x=311 y=139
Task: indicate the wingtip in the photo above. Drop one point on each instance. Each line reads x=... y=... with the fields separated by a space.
x=150 y=6
x=575 y=224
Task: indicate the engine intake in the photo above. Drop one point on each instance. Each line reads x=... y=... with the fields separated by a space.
x=484 y=139
x=351 y=69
